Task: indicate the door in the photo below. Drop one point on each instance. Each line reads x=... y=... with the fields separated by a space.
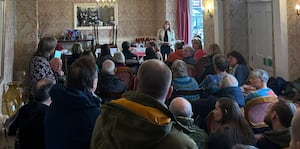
x=261 y=35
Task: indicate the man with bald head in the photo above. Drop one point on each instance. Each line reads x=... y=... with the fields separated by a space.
x=141 y=119
x=295 y=131
x=182 y=109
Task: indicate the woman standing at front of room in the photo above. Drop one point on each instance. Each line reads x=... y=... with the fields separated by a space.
x=166 y=39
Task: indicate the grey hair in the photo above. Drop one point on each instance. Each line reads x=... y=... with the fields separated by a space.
x=191 y=49
x=179 y=69
x=261 y=74
x=108 y=66
x=119 y=57
x=228 y=81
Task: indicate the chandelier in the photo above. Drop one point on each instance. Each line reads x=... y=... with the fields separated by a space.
x=106 y=3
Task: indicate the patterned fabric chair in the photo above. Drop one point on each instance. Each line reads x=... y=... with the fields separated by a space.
x=125 y=74
x=255 y=111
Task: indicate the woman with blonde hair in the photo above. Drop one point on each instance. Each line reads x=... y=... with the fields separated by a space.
x=205 y=63
x=166 y=39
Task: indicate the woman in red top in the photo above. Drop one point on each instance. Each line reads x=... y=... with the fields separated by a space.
x=197 y=45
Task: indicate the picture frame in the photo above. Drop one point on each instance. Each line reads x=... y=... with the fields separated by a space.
x=87 y=16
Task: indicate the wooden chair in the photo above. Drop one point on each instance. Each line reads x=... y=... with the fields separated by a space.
x=125 y=74
x=255 y=111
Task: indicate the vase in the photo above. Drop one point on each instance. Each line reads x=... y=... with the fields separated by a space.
x=12 y=98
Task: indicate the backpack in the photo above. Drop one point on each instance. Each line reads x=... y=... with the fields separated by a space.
x=278 y=85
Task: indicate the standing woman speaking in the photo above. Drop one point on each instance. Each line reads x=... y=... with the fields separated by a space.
x=166 y=39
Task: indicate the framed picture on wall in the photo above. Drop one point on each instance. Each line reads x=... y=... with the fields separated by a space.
x=87 y=16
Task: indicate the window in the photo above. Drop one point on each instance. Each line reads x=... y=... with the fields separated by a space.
x=197 y=19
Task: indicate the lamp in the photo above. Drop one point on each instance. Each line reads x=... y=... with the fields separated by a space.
x=106 y=3
x=208 y=11
x=297 y=7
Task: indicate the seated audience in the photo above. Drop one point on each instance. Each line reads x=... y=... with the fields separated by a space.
x=229 y=88
x=119 y=59
x=177 y=54
x=181 y=80
x=142 y=114
x=150 y=54
x=258 y=85
x=156 y=49
x=90 y=54
x=30 y=118
x=71 y=116
x=127 y=53
x=211 y=82
x=108 y=82
x=295 y=131
x=105 y=55
x=197 y=45
x=238 y=66
x=76 y=53
x=234 y=128
x=279 y=116
x=182 y=110
x=39 y=67
x=207 y=66
x=188 y=55
x=56 y=66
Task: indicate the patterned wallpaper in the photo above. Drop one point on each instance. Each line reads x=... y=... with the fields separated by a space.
x=238 y=27
x=209 y=36
x=26 y=35
x=136 y=18
x=293 y=40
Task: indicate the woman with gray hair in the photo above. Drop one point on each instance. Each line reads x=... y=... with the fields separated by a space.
x=181 y=80
x=258 y=85
x=119 y=59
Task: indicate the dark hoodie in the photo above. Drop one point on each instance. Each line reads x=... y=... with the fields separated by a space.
x=275 y=139
x=70 y=119
x=138 y=121
x=30 y=121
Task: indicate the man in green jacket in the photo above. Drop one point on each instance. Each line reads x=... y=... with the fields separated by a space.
x=141 y=120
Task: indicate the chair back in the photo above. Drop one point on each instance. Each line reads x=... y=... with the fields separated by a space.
x=255 y=111
x=125 y=74
x=199 y=91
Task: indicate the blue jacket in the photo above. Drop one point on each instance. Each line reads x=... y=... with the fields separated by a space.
x=234 y=93
x=70 y=119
